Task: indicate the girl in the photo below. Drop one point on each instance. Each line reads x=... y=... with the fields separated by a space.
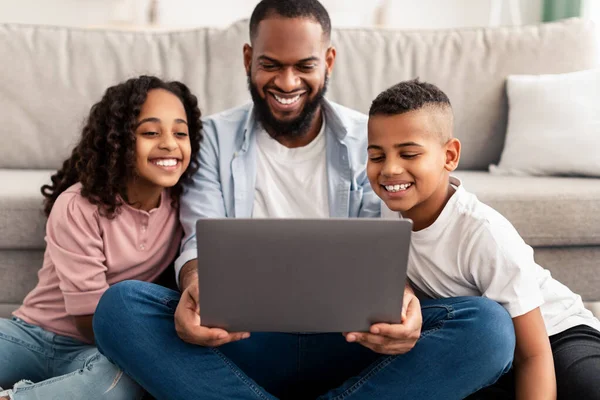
x=112 y=216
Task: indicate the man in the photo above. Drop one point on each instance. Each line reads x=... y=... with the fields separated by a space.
x=291 y=153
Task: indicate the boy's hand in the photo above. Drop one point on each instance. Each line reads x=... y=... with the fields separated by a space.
x=187 y=322
x=393 y=339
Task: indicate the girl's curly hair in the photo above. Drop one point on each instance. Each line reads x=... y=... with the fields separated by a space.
x=104 y=159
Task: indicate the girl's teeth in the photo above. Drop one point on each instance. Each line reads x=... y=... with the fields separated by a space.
x=166 y=163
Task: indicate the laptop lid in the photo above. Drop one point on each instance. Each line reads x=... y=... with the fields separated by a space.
x=301 y=275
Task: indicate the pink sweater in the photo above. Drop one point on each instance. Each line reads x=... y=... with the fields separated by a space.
x=86 y=253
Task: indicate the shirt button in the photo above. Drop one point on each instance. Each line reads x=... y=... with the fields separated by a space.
x=142 y=247
x=144 y=227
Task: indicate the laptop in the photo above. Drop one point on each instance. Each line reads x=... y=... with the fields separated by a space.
x=301 y=275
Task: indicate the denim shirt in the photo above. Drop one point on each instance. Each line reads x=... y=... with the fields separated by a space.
x=224 y=184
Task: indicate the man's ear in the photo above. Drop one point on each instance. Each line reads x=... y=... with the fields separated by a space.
x=330 y=59
x=247 y=58
x=452 y=148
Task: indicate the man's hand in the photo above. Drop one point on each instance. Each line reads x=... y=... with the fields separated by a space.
x=187 y=317
x=393 y=339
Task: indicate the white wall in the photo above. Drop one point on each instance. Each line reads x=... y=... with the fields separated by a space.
x=411 y=14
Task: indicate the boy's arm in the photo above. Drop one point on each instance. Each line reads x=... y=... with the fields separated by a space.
x=534 y=364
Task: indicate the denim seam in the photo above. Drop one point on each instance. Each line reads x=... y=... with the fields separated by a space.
x=440 y=324
x=20 y=342
x=240 y=376
x=380 y=365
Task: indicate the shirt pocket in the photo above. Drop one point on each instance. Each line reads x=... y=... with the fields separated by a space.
x=355 y=202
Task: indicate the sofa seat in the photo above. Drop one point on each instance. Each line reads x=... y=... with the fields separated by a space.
x=547 y=211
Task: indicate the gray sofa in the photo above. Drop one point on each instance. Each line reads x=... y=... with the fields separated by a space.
x=50 y=76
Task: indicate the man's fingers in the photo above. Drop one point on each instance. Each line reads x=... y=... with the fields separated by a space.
x=363 y=337
x=228 y=338
x=392 y=331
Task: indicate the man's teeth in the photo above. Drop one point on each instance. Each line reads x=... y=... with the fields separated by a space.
x=169 y=162
x=283 y=100
x=397 y=188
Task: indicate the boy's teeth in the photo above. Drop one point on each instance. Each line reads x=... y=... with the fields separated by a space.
x=396 y=188
x=286 y=101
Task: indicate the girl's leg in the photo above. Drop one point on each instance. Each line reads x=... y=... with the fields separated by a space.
x=23 y=352
x=577 y=363
x=43 y=365
x=94 y=378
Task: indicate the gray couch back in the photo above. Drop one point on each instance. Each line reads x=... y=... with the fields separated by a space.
x=50 y=76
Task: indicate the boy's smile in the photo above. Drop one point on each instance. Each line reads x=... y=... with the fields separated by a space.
x=409 y=164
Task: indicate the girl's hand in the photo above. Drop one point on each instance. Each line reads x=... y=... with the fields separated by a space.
x=393 y=339
x=188 y=322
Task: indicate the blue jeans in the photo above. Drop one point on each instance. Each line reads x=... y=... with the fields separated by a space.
x=466 y=343
x=64 y=368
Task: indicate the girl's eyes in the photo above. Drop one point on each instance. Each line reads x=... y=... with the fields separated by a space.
x=182 y=134
x=150 y=133
x=376 y=159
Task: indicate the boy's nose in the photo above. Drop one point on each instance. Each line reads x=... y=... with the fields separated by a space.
x=391 y=169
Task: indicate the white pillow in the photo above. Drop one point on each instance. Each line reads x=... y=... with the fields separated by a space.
x=553 y=125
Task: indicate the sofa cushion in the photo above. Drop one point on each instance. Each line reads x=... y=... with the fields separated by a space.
x=61 y=72
x=547 y=211
x=553 y=125
x=22 y=221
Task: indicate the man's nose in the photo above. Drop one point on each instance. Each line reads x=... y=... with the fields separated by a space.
x=287 y=80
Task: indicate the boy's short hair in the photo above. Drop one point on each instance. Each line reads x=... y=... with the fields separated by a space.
x=409 y=96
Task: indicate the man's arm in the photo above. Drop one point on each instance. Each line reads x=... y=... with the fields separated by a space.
x=188 y=274
x=202 y=198
x=84 y=326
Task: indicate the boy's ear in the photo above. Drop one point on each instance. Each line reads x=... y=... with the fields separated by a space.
x=452 y=154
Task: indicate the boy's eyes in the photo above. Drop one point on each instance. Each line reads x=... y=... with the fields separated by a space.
x=149 y=133
x=182 y=134
x=407 y=156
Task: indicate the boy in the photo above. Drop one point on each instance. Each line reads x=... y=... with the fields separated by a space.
x=461 y=247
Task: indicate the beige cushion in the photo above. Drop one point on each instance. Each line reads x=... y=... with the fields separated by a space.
x=57 y=73
x=547 y=211
x=553 y=125
x=22 y=222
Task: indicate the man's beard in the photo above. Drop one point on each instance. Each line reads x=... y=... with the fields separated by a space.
x=293 y=128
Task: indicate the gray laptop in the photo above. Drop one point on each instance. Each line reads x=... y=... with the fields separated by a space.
x=301 y=275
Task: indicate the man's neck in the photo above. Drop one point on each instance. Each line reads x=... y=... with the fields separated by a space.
x=313 y=132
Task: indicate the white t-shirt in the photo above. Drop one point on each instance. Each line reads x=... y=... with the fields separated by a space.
x=472 y=250
x=290 y=183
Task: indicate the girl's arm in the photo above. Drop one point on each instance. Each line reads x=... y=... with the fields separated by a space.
x=84 y=326
x=534 y=364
